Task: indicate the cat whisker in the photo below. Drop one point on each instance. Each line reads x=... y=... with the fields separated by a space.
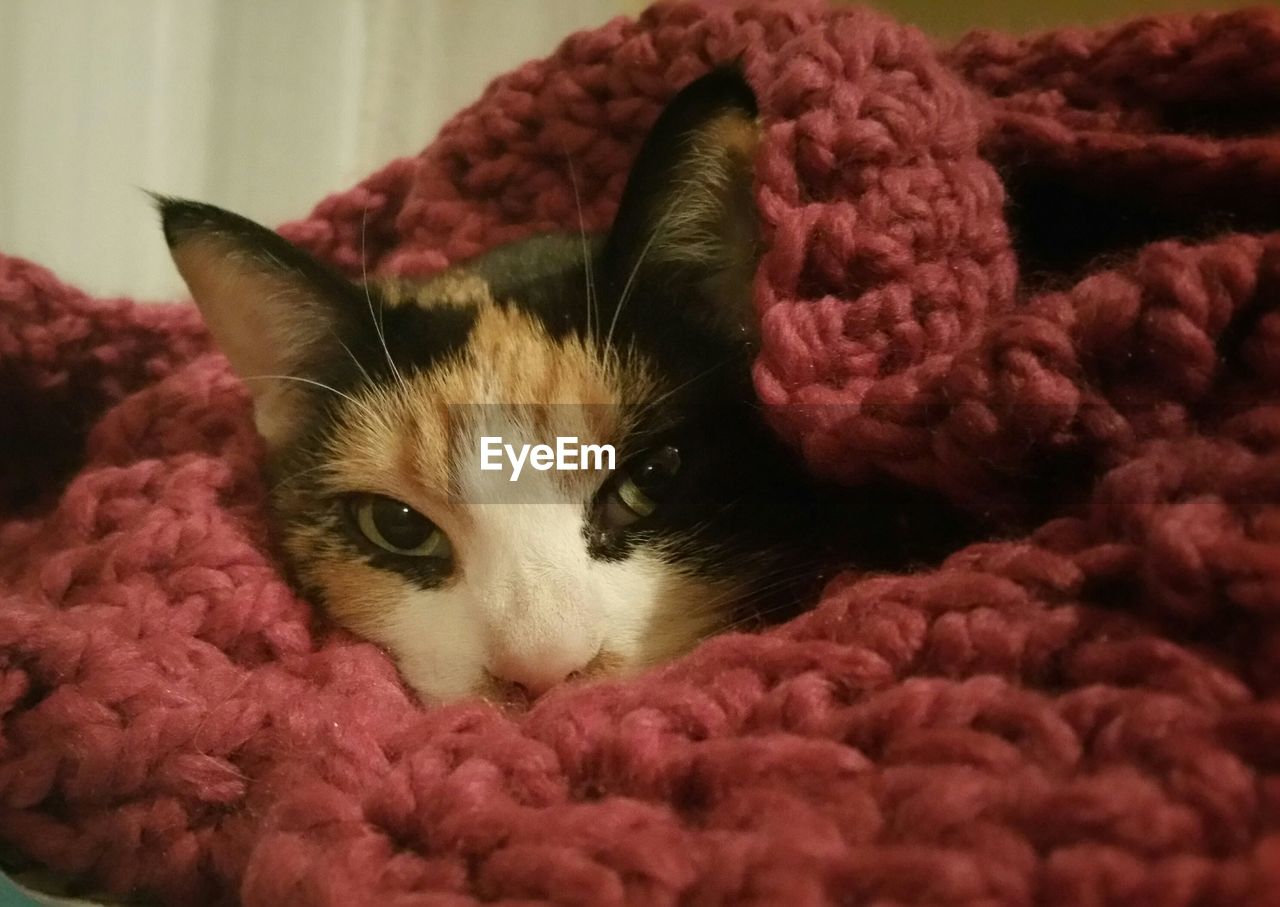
x=294 y=476
x=320 y=384
x=761 y=618
x=768 y=582
x=358 y=363
x=650 y=405
x=778 y=579
x=368 y=298
x=635 y=270
x=586 y=254
x=271 y=300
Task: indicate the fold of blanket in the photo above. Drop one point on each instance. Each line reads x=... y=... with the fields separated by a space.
x=1035 y=274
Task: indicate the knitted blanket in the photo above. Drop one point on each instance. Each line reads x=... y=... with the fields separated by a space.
x=1034 y=274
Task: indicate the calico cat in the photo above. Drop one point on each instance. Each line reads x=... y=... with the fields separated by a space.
x=373 y=401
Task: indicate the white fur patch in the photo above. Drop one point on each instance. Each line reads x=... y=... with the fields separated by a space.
x=529 y=604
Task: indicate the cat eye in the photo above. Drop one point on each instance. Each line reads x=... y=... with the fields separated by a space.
x=641 y=488
x=396 y=527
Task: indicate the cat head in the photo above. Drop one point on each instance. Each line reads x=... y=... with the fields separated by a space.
x=376 y=400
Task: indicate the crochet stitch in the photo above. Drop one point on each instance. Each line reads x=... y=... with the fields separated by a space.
x=1035 y=274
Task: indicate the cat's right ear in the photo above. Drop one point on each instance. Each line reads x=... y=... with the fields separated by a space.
x=686 y=223
x=271 y=308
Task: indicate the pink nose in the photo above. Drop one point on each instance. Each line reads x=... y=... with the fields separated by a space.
x=535 y=672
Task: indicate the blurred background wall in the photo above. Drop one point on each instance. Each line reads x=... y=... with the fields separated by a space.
x=264 y=106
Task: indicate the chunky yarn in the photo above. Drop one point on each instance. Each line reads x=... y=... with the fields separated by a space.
x=1037 y=275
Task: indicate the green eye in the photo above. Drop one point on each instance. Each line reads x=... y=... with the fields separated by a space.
x=396 y=527
x=642 y=488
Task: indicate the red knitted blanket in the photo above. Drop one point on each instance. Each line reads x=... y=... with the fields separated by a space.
x=1035 y=274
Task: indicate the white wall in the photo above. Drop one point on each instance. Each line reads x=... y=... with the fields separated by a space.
x=262 y=106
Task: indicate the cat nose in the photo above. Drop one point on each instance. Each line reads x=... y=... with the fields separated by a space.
x=535 y=672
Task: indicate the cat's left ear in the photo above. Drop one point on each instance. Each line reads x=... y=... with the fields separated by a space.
x=687 y=219
x=277 y=314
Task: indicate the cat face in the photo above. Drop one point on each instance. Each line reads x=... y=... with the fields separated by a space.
x=376 y=401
